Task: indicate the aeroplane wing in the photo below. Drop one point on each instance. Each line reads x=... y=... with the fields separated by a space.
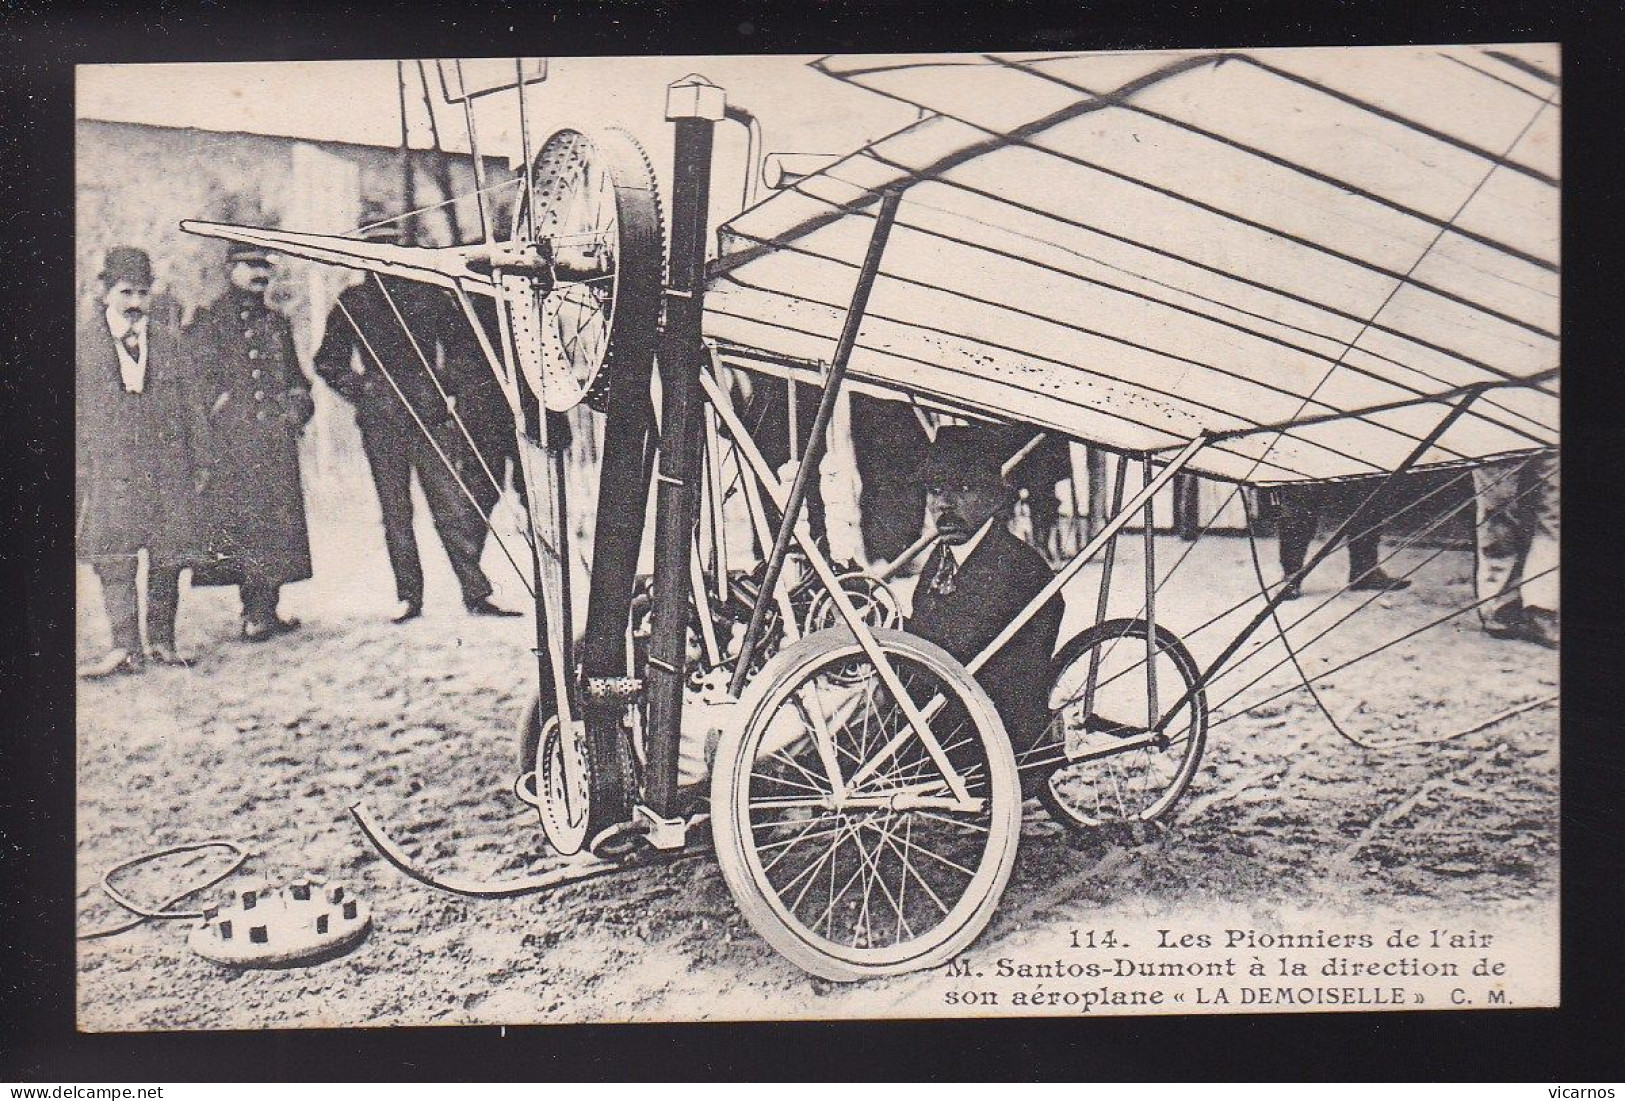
x=1305 y=251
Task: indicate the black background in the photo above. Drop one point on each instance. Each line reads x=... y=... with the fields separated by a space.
x=1580 y=1042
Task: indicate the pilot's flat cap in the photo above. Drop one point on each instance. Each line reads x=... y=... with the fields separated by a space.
x=124 y=264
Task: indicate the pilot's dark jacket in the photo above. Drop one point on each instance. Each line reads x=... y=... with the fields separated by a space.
x=995 y=582
x=258 y=401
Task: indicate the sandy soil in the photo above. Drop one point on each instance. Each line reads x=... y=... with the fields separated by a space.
x=270 y=744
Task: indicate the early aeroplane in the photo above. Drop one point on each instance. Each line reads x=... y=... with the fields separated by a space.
x=1263 y=268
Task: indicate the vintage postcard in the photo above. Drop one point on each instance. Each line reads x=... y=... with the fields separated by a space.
x=764 y=537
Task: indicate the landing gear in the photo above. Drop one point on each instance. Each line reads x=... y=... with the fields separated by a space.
x=1111 y=752
x=853 y=845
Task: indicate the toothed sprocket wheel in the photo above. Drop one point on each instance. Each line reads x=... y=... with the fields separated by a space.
x=598 y=214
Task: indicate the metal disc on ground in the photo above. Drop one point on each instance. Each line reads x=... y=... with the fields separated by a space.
x=263 y=926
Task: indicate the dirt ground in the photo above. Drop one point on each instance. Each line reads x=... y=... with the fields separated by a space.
x=269 y=745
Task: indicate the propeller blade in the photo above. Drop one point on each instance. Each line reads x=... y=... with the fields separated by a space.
x=442 y=267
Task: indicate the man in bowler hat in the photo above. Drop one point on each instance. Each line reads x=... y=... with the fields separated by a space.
x=979 y=577
x=140 y=449
x=258 y=404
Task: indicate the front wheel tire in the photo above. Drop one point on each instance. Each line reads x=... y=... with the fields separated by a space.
x=871 y=882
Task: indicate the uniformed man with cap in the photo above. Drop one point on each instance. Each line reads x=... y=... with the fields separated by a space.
x=979 y=577
x=385 y=370
x=258 y=404
x=140 y=445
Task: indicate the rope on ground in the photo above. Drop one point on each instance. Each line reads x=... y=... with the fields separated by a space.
x=1463 y=610
x=1252 y=781
x=1493 y=720
x=162 y=911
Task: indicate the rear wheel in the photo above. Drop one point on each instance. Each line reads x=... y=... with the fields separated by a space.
x=893 y=873
x=1099 y=760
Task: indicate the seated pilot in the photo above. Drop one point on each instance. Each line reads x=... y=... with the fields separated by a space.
x=979 y=577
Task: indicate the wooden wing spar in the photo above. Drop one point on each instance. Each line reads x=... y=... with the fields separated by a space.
x=468 y=267
x=1301 y=254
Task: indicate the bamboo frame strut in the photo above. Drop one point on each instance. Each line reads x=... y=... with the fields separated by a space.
x=677 y=463
x=807 y=469
x=1064 y=577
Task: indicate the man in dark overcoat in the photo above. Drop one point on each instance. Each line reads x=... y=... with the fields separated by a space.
x=258 y=404
x=979 y=577
x=480 y=404
x=386 y=371
x=140 y=445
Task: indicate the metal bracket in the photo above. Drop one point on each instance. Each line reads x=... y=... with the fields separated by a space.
x=614 y=689
x=533 y=260
x=695 y=97
x=666 y=834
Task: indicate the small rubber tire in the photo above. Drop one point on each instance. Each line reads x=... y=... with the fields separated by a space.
x=734 y=831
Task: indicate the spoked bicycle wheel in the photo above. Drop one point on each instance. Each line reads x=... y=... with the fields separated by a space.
x=836 y=826
x=1099 y=761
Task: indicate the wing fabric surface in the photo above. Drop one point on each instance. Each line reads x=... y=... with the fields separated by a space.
x=1138 y=248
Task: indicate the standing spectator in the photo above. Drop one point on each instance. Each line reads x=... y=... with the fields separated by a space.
x=1301 y=506
x=138 y=438
x=258 y=403
x=886 y=438
x=1037 y=474
x=478 y=397
x=376 y=364
x=1516 y=533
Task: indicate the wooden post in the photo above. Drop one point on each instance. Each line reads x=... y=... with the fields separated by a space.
x=409 y=193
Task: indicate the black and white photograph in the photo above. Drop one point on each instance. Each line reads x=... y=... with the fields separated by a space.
x=774 y=537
